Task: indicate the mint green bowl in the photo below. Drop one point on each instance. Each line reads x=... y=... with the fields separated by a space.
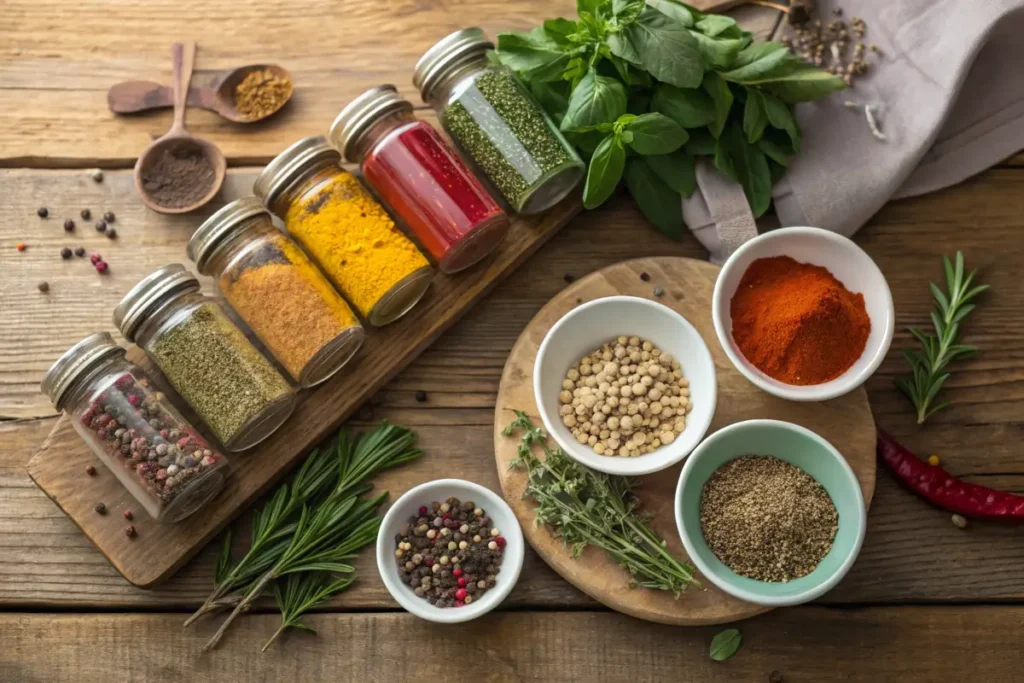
x=800 y=447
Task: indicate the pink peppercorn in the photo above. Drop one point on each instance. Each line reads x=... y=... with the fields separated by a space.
x=134 y=400
x=456 y=572
x=183 y=441
x=500 y=540
x=459 y=603
x=423 y=510
x=128 y=514
x=428 y=562
x=95 y=258
x=164 y=433
x=129 y=531
x=460 y=594
x=461 y=582
x=101 y=266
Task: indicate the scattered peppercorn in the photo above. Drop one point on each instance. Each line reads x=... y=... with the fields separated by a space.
x=95 y=257
x=659 y=292
x=98 y=176
x=109 y=216
x=86 y=214
x=43 y=286
x=129 y=531
x=568 y=277
x=79 y=251
x=101 y=225
x=65 y=253
x=646 y=277
x=20 y=246
x=111 y=233
x=421 y=396
x=960 y=521
x=69 y=225
x=100 y=508
x=101 y=266
x=43 y=212
x=90 y=470
x=128 y=514
x=776 y=676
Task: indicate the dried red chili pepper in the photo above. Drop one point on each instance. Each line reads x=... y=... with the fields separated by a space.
x=941 y=488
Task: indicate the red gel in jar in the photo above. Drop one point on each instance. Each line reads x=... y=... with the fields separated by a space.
x=420 y=178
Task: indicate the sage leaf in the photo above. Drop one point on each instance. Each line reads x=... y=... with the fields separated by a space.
x=534 y=54
x=719 y=52
x=597 y=99
x=755 y=119
x=679 y=11
x=748 y=167
x=725 y=644
x=655 y=133
x=605 y=171
x=713 y=24
x=657 y=201
x=676 y=169
x=780 y=116
x=689 y=107
x=662 y=46
x=722 y=96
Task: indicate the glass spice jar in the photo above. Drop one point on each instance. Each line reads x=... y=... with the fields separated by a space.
x=420 y=177
x=277 y=290
x=133 y=429
x=497 y=122
x=346 y=231
x=207 y=359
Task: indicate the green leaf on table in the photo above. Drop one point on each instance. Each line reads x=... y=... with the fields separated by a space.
x=689 y=107
x=781 y=117
x=553 y=97
x=655 y=133
x=719 y=91
x=714 y=24
x=755 y=119
x=597 y=99
x=725 y=644
x=747 y=165
x=701 y=143
x=604 y=173
x=662 y=46
x=661 y=205
x=720 y=52
x=679 y=11
x=534 y=54
x=676 y=169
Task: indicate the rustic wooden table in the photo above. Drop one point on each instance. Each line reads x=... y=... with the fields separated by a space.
x=925 y=601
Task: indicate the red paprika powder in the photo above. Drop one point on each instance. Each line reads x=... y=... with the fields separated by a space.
x=796 y=322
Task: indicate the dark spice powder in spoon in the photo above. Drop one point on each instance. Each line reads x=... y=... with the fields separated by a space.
x=179 y=177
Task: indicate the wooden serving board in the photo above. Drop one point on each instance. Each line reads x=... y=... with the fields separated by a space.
x=846 y=422
x=159 y=549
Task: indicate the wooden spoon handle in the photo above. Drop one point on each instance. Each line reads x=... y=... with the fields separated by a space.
x=183 y=58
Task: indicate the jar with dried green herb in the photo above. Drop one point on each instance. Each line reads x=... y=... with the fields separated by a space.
x=210 y=362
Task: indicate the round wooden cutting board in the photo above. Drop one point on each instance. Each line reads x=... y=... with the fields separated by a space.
x=846 y=422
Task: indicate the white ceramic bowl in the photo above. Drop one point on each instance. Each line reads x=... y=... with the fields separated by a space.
x=849 y=264
x=440 y=490
x=588 y=327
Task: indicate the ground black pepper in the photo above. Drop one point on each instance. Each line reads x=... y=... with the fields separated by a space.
x=177 y=178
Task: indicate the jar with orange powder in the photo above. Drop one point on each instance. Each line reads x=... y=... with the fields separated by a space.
x=346 y=231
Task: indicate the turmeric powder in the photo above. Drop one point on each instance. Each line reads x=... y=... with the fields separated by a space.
x=378 y=269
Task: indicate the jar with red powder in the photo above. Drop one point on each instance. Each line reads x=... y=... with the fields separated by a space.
x=420 y=178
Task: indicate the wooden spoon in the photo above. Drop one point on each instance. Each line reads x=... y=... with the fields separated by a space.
x=213 y=91
x=178 y=140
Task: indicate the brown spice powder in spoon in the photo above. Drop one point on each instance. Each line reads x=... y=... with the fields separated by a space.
x=179 y=177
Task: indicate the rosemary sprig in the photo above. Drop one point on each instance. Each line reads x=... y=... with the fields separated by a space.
x=584 y=507
x=928 y=366
x=296 y=594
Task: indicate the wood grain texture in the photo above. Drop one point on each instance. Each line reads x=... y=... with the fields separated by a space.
x=160 y=549
x=845 y=422
x=803 y=645
x=59 y=59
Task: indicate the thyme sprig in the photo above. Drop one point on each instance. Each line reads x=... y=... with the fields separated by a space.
x=584 y=507
x=928 y=366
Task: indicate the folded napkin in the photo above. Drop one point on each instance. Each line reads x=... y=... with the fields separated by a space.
x=947 y=91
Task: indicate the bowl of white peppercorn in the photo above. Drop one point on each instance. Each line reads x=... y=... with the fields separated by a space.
x=625 y=385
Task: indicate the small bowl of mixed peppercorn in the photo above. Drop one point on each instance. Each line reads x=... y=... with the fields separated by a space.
x=450 y=550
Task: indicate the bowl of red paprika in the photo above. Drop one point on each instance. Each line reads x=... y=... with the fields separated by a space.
x=803 y=313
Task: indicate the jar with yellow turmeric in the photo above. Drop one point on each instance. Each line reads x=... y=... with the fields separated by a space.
x=277 y=290
x=353 y=239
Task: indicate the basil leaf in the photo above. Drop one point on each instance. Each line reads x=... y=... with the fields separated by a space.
x=755 y=119
x=626 y=136
x=553 y=97
x=805 y=84
x=722 y=96
x=626 y=11
x=790 y=78
x=690 y=107
x=587 y=141
x=592 y=7
x=725 y=644
x=639 y=101
x=749 y=168
x=597 y=99
x=701 y=143
x=719 y=52
x=776 y=171
x=560 y=29
x=780 y=116
x=662 y=46
x=655 y=133
x=773 y=151
x=604 y=173
x=534 y=54
x=676 y=169
x=679 y=11
x=657 y=201
x=714 y=24
x=759 y=52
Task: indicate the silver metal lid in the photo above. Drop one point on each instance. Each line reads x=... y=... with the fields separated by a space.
x=220 y=225
x=145 y=297
x=290 y=166
x=79 y=359
x=361 y=113
x=451 y=51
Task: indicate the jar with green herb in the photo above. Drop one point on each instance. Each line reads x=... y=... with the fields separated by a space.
x=497 y=122
x=207 y=359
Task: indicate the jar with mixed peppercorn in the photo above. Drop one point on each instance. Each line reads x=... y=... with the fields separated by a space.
x=167 y=466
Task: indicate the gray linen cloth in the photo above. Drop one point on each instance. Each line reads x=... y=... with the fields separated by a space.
x=948 y=93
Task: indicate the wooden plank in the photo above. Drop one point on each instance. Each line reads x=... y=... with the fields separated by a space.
x=61 y=57
x=160 y=549
x=799 y=644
